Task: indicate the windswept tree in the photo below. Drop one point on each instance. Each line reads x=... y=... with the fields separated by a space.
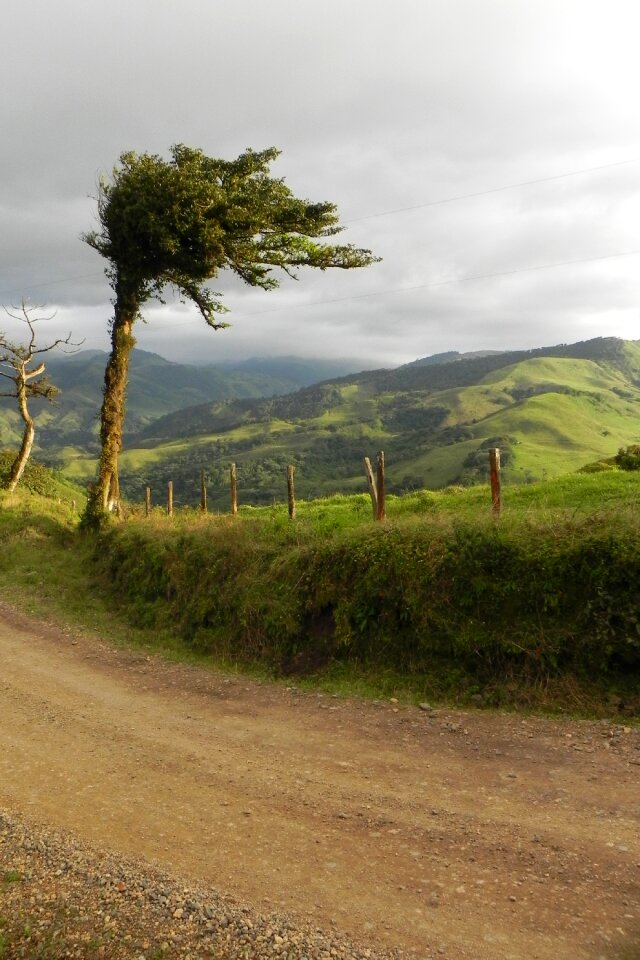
x=177 y=224
x=21 y=365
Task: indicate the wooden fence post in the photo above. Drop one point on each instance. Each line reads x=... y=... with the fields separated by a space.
x=291 y=492
x=234 y=489
x=203 y=492
x=494 y=466
x=380 y=512
x=114 y=504
x=170 y=498
x=373 y=492
x=147 y=501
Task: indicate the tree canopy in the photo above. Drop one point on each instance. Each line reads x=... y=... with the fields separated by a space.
x=179 y=223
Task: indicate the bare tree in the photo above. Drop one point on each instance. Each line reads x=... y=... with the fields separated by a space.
x=21 y=364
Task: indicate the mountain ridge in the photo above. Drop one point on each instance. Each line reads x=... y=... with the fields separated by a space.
x=550 y=410
x=156 y=386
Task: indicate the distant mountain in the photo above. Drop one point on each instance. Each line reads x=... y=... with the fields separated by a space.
x=449 y=356
x=550 y=411
x=296 y=370
x=156 y=387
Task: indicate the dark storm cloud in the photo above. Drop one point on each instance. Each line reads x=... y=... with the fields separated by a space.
x=377 y=106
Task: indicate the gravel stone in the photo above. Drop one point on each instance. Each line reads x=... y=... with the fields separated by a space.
x=56 y=890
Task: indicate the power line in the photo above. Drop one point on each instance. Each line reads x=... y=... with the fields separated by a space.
x=420 y=206
x=447 y=282
x=51 y=283
x=431 y=283
x=485 y=193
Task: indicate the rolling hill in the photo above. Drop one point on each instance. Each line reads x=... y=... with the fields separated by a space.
x=156 y=387
x=550 y=411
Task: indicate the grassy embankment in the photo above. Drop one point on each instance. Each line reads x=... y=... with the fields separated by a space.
x=441 y=601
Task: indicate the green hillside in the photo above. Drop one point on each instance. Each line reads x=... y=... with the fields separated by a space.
x=69 y=427
x=550 y=411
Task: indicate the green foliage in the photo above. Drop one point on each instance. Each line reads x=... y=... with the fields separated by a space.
x=475 y=463
x=598 y=466
x=36 y=477
x=628 y=458
x=178 y=222
x=542 y=593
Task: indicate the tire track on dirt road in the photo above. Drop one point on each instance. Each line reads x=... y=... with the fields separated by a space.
x=479 y=834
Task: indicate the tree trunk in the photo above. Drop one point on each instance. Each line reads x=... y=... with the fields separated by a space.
x=17 y=468
x=233 y=478
x=113 y=406
x=203 y=491
x=494 y=469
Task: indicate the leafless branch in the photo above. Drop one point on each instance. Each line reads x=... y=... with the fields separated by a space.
x=23 y=314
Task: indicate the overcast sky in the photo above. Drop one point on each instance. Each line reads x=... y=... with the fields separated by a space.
x=397 y=111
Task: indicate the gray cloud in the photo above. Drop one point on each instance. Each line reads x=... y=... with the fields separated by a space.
x=376 y=106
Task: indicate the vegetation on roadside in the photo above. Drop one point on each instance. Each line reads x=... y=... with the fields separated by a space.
x=39 y=479
x=441 y=601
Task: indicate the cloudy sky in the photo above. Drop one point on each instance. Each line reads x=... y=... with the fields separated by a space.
x=487 y=150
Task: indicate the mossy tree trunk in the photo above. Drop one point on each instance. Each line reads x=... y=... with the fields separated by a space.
x=106 y=492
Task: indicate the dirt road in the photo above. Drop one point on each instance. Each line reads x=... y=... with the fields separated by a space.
x=441 y=833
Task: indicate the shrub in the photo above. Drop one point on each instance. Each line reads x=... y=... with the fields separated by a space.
x=534 y=597
x=36 y=477
x=628 y=458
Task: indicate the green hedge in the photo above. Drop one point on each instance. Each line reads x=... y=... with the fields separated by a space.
x=535 y=597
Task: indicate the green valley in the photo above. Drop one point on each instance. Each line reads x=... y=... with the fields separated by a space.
x=550 y=411
x=68 y=429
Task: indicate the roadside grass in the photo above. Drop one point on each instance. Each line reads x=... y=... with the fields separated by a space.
x=24 y=937
x=47 y=571
x=231 y=594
